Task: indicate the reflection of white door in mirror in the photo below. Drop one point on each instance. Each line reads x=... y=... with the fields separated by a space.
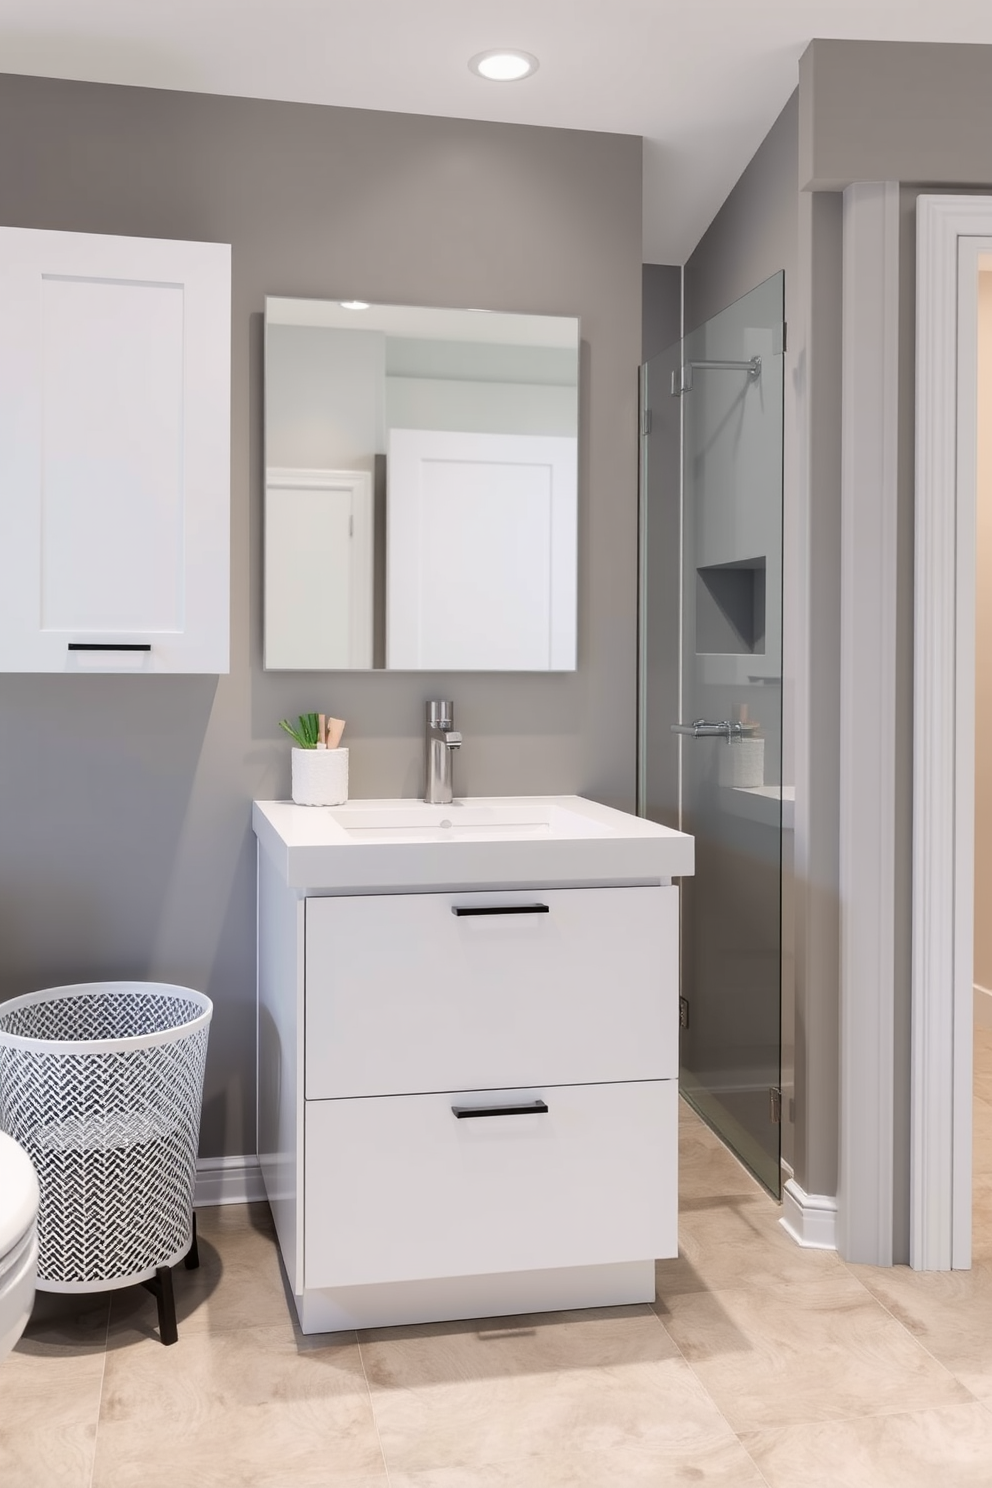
x=491 y=519
x=318 y=569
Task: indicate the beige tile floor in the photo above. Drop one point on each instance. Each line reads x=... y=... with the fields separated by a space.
x=760 y=1365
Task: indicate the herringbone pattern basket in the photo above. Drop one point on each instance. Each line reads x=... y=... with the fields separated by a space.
x=102 y=1084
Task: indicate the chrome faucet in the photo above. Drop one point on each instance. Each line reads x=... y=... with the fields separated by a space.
x=442 y=741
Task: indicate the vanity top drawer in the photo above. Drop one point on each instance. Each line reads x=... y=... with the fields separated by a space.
x=422 y=992
x=403 y=1189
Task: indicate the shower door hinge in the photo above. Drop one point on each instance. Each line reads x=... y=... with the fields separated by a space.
x=646 y=421
x=775 y=1105
x=780 y=339
x=683 y=1012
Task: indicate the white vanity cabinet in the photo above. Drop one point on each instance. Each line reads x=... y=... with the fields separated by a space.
x=115 y=437
x=467 y=1098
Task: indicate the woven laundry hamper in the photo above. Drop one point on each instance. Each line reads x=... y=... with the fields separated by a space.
x=102 y=1084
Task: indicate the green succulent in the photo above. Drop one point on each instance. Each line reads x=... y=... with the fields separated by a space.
x=307 y=733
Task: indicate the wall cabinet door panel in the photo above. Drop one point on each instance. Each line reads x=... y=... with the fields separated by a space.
x=114 y=453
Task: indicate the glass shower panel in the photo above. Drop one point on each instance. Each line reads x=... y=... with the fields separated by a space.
x=716 y=767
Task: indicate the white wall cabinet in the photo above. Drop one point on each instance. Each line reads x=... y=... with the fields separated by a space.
x=467 y=1115
x=115 y=436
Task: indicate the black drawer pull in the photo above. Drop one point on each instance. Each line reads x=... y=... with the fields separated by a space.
x=107 y=646
x=532 y=1108
x=491 y=909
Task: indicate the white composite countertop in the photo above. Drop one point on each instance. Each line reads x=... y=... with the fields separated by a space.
x=484 y=841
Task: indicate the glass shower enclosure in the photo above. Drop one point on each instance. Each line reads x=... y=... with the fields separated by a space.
x=710 y=721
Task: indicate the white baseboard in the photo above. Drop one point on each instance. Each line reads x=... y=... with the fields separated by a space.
x=983 y=1007
x=227 y=1180
x=811 y=1219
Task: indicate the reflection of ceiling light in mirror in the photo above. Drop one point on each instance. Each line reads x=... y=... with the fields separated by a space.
x=353 y=304
x=504 y=66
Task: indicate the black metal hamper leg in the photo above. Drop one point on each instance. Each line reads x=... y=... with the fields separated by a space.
x=192 y=1258
x=160 y=1285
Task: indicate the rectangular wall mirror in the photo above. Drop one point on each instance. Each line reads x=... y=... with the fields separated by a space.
x=420 y=488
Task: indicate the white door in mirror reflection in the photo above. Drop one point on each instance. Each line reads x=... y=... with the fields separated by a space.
x=481 y=551
x=318 y=569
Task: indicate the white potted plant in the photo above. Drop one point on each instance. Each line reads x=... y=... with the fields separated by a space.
x=320 y=765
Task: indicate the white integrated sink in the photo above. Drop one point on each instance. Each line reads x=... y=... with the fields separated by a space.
x=401 y=844
x=476 y=821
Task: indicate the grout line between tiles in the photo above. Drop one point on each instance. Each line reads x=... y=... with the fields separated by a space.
x=99 y=1400
x=702 y=1385
x=375 y=1418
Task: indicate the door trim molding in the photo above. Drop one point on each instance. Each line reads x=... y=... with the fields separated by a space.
x=951 y=233
x=869 y=512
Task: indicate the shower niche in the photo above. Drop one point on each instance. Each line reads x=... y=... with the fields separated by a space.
x=730 y=608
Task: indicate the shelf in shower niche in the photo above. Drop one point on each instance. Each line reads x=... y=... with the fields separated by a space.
x=730 y=608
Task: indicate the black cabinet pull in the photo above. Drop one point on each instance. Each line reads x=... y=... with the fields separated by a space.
x=494 y=909
x=108 y=646
x=531 y=1108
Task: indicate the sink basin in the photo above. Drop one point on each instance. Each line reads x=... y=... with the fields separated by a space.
x=514 y=820
x=487 y=841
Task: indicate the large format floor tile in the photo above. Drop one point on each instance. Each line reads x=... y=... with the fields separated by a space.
x=950 y=1312
x=459 y=1396
x=245 y=1406
x=708 y=1169
x=813 y=1352
x=721 y=1465
x=948 y=1448
x=50 y=1389
x=51 y=1456
x=737 y=1241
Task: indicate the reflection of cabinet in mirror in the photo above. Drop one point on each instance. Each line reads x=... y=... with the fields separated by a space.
x=421 y=489
x=318 y=569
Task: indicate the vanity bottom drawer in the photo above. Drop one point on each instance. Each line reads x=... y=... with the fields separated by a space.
x=401 y=1188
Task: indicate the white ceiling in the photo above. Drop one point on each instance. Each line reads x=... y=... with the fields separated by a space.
x=701 y=80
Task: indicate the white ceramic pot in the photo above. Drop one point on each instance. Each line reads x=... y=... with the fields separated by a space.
x=320 y=777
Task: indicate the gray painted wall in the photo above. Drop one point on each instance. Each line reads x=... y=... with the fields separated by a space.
x=894 y=111
x=125 y=848
x=661 y=314
x=755 y=232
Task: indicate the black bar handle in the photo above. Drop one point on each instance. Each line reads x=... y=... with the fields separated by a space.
x=110 y=646
x=494 y=909
x=531 y=1108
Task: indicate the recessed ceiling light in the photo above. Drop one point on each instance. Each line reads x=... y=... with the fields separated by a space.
x=353 y=304
x=503 y=65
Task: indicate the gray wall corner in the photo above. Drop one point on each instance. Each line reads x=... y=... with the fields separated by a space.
x=661 y=314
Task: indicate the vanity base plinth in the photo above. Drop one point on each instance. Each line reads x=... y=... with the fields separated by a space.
x=505 y=1294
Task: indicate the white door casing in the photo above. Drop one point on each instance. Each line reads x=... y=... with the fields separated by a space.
x=953 y=232
x=869 y=510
